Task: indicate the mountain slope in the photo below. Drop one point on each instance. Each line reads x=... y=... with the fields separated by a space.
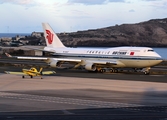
x=151 y=33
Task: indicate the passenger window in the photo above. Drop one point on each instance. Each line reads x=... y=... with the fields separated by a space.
x=150 y=50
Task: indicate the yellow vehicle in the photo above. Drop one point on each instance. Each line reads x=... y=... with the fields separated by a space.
x=31 y=72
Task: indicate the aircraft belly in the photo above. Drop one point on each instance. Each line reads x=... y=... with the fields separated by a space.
x=117 y=63
x=126 y=63
x=140 y=63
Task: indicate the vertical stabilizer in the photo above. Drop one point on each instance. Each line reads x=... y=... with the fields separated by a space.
x=40 y=70
x=51 y=38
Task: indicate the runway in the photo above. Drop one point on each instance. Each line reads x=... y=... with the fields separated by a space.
x=79 y=94
x=85 y=74
x=86 y=97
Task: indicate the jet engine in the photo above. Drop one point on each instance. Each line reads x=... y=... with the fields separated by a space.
x=55 y=64
x=90 y=67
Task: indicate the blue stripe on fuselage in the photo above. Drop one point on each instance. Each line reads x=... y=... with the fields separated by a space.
x=110 y=56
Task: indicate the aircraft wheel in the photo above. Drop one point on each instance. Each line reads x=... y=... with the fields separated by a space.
x=23 y=76
x=146 y=72
x=115 y=70
x=111 y=70
x=102 y=70
x=31 y=76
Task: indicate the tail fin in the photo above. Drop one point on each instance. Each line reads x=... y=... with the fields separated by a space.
x=40 y=71
x=51 y=38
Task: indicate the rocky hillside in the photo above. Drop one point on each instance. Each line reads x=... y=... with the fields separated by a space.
x=152 y=33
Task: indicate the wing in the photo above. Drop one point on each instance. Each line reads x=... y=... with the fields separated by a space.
x=43 y=58
x=16 y=73
x=48 y=72
x=76 y=61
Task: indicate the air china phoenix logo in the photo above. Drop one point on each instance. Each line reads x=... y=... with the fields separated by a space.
x=49 y=36
x=132 y=53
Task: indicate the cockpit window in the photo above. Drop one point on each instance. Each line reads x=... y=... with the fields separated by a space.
x=150 y=50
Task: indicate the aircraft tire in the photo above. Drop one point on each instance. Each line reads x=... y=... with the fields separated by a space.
x=146 y=73
x=31 y=76
x=111 y=70
x=115 y=70
x=102 y=70
x=23 y=76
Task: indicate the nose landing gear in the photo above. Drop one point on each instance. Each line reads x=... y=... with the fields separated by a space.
x=146 y=71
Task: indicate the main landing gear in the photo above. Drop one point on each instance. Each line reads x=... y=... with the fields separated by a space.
x=102 y=70
x=146 y=70
x=113 y=70
x=31 y=76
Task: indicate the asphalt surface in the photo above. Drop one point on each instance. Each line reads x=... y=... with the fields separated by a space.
x=86 y=74
x=79 y=94
x=75 y=98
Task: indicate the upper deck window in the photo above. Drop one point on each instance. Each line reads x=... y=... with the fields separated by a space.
x=150 y=50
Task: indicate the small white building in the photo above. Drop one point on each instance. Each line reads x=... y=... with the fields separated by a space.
x=37 y=34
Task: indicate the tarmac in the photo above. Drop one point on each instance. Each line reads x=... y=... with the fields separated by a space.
x=77 y=94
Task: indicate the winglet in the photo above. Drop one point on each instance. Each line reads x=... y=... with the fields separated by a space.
x=8 y=55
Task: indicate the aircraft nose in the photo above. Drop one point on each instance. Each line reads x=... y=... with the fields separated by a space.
x=158 y=56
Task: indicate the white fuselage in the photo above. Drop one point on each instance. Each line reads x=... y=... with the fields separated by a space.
x=137 y=57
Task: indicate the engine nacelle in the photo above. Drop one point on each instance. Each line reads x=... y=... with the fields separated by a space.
x=90 y=67
x=55 y=63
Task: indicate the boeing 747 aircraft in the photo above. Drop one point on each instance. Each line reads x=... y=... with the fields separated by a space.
x=99 y=59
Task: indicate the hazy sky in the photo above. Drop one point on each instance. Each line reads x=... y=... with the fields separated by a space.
x=26 y=16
